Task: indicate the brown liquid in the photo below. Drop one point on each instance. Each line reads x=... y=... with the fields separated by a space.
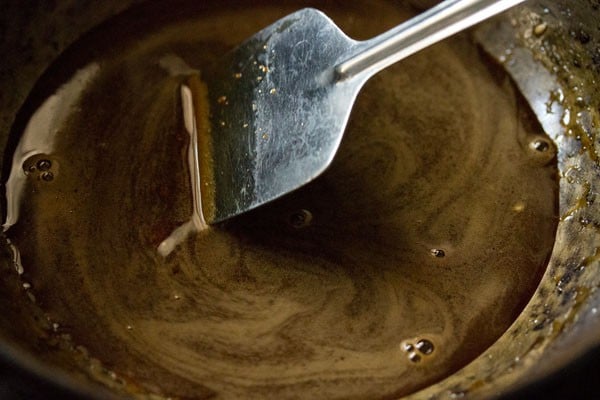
x=406 y=260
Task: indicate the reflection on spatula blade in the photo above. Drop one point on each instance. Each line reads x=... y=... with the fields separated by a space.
x=279 y=103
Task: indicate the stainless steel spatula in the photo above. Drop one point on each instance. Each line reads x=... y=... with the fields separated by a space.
x=279 y=103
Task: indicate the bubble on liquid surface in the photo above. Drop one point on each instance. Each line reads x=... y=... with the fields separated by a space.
x=40 y=167
x=47 y=176
x=438 y=253
x=418 y=349
x=540 y=145
x=425 y=346
x=541 y=149
x=44 y=165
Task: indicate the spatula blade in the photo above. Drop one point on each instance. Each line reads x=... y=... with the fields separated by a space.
x=277 y=114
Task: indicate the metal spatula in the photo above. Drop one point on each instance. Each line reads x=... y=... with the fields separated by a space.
x=280 y=101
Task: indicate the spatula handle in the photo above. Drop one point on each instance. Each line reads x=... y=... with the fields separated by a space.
x=435 y=24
